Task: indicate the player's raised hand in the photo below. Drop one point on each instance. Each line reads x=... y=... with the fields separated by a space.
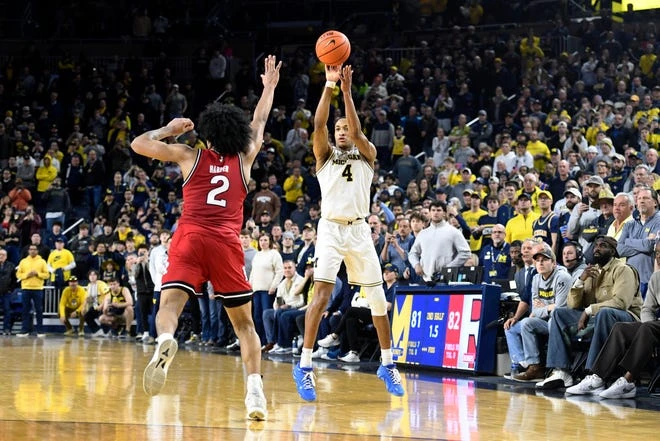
x=332 y=73
x=271 y=74
x=179 y=126
x=346 y=77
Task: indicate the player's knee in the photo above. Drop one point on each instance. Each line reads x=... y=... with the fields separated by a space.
x=376 y=298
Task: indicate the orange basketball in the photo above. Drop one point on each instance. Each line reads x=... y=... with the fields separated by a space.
x=333 y=48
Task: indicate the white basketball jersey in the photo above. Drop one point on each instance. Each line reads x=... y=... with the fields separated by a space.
x=345 y=181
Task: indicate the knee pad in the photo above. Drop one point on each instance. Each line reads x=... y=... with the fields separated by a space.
x=376 y=298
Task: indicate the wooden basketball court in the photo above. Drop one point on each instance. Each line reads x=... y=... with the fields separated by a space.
x=88 y=389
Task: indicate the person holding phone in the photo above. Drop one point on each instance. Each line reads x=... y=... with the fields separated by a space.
x=583 y=217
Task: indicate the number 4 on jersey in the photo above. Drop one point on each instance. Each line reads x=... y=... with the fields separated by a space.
x=347 y=173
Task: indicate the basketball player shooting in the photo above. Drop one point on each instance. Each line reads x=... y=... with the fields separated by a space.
x=206 y=245
x=345 y=174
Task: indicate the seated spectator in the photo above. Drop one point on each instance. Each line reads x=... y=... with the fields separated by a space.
x=287 y=297
x=357 y=317
x=605 y=293
x=550 y=288
x=72 y=304
x=287 y=320
x=573 y=260
x=629 y=348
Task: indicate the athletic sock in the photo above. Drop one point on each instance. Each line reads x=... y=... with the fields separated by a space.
x=166 y=336
x=306 y=358
x=386 y=356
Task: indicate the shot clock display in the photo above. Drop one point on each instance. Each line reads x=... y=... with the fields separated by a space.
x=445 y=326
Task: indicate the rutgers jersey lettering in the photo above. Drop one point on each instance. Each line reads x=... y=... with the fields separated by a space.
x=214 y=192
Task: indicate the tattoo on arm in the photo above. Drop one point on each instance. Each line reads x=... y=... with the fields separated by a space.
x=159 y=134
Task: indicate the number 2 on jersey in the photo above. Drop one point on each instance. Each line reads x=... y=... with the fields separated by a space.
x=347 y=173
x=212 y=196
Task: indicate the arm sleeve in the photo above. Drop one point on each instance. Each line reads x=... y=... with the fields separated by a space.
x=43 y=271
x=574 y=223
x=624 y=290
x=562 y=288
x=462 y=251
x=651 y=303
x=278 y=268
x=389 y=216
x=62 y=304
x=628 y=247
x=415 y=251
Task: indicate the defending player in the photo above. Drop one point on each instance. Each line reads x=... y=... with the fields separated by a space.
x=345 y=174
x=206 y=244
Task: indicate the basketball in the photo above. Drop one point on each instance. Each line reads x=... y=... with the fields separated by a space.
x=333 y=48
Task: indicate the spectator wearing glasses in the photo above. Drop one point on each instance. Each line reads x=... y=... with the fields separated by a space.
x=638 y=237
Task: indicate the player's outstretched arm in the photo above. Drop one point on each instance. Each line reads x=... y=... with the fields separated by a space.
x=320 y=142
x=150 y=144
x=365 y=147
x=270 y=78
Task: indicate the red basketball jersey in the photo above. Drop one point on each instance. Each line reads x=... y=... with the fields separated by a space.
x=214 y=192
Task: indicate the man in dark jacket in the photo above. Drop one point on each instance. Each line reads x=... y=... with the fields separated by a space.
x=80 y=247
x=57 y=202
x=144 y=288
x=7 y=283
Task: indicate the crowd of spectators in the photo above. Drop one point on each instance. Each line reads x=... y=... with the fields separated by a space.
x=500 y=127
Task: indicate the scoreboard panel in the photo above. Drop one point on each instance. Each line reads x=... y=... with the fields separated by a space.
x=445 y=326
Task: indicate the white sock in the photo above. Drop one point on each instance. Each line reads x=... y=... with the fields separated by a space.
x=306 y=358
x=166 y=336
x=386 y=356
x=254 y=382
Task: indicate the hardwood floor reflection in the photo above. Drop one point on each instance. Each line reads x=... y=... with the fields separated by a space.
x=77 y=389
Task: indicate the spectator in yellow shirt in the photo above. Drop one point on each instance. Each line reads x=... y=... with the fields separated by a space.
x=71 y=306
x=60 y=263
x=32 y=271
x=45 y=175
x=519 y=227
x=293 y=189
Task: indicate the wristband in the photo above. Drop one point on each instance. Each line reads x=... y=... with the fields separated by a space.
x=330 y=84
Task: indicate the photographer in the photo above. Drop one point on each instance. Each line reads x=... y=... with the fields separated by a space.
x=398 y=243
x=152 y=213
x=20 y=196
x=109 y=208
x=584 y=215
x=29 y=224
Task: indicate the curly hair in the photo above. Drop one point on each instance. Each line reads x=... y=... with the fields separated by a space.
x=226 y=128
